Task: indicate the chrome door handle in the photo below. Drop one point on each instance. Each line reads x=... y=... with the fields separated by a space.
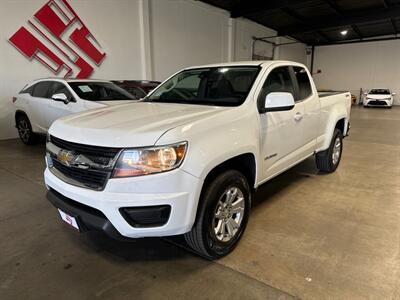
x=298 y=116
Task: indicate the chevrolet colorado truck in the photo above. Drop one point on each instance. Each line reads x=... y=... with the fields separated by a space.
x=187 y=158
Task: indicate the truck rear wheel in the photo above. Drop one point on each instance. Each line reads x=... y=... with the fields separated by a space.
x=222 y=215
x=328 y=160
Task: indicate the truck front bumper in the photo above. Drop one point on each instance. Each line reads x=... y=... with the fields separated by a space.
x=148 y=206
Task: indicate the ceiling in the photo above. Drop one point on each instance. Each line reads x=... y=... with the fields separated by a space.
x=319 y=22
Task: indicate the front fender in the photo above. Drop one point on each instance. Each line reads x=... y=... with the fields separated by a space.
x=214 y=140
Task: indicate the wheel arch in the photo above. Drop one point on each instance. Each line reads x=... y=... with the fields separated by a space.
x=19 y=113
x=244 y=163
x=341 y=123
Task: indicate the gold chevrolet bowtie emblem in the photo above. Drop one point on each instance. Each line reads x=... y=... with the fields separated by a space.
x=65 y=157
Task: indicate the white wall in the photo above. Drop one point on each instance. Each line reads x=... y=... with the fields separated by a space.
x=293 y=52
x=362 y=65
x=186 y=33
x=142 y=38
x=245 y=31
x=122 y=60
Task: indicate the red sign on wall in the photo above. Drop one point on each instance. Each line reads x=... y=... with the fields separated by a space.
x=58 y=38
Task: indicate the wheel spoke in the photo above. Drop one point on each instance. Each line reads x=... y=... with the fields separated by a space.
x=220 y=230
x=230 y=228
x=231 y=195
x=238 y=206
x=233 y=224
x=218 y=214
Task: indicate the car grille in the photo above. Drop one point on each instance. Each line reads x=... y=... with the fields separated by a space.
x=89 y=177
x=377 y=102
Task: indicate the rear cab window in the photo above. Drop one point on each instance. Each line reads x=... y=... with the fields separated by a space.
x=303 y=83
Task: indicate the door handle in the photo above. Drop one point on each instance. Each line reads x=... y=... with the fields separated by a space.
x=298 y=116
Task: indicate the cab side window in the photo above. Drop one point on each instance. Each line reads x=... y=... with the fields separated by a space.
x=60 y=88
x=303 y=82
x=41 y=89
x=278 y=80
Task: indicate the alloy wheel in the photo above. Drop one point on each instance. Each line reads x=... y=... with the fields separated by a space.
x=229 y=214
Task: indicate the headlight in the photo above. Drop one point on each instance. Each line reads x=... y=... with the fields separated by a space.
x=144 y=161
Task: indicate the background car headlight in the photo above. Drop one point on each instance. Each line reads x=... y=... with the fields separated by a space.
x=144 y=161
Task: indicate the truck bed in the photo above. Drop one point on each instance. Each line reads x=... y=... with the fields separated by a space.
x=323 y=94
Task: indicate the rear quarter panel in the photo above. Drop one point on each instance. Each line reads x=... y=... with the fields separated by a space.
x=333 y=108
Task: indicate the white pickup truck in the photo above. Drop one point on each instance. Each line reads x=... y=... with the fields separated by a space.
x=187 y=158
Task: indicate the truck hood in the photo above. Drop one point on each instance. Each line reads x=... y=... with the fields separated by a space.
x=116 y=102
x=129 y=125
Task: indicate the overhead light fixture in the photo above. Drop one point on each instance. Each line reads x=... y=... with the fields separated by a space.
x=344 y=32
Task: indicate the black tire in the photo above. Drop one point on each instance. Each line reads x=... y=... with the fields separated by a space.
x=203 y=238
x=325 y=160
x=25 y=132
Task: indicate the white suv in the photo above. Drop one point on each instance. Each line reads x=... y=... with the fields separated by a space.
x=43 y=101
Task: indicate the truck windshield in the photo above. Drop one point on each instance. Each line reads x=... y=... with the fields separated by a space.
x=379 y=92
x=99 y=91
x=222 y=86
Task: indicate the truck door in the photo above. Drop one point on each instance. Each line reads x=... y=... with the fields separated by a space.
x=281 y=131
x=308 y=97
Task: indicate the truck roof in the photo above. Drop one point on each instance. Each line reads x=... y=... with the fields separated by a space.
x=245 y=63
x=71 y=79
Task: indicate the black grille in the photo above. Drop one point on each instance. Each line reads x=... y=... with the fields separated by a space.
x=377 y=102
x=88 y=177
x=85 y=149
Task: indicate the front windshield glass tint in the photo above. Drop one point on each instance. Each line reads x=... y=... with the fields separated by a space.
x=379 y=92
x=99 y=91
x=224 y=86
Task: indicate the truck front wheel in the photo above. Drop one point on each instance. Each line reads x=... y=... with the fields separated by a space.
x=328 y=160
x=222 y=215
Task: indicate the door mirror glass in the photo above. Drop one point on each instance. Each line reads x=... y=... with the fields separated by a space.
x=278 y=101
x=60 y=97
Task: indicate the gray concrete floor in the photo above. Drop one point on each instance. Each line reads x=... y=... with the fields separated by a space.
x=310 y=236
